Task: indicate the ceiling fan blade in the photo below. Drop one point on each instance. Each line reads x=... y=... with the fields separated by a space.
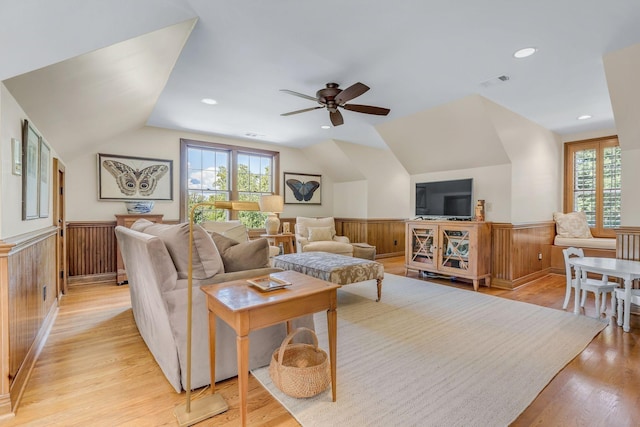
x=301 y=95
x=351 y=92
x=336 y=118
x=367 y=109
x=301 y=111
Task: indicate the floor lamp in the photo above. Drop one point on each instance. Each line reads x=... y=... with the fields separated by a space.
x=213 y=404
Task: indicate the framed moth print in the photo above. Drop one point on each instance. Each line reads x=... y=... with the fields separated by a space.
x=302 y=189
x=134 y=178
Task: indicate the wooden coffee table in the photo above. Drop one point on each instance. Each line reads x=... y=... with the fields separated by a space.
x=245 y=309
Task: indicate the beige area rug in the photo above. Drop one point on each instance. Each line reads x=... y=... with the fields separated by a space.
x=432 y=355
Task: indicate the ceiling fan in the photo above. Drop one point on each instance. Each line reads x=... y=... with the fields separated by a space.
x=332 y=97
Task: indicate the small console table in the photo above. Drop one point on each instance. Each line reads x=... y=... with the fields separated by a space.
x=286 y=239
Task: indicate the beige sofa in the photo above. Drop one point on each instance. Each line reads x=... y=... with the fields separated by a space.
x=156 y=259
x=319 y=235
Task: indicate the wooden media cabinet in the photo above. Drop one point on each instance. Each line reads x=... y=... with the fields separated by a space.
x=452 y=248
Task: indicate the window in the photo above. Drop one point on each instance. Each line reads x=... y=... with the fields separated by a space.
x=592 y=183
x=212 y=172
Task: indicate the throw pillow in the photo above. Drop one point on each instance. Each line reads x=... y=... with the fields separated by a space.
x=318 y=234
x=141 y=225
x=242 y=256
x=233 y=229
x=572 y=224
x=206 y=258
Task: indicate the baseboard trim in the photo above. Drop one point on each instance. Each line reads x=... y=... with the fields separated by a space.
x=514 y=284
x=91 y=279
x=24 y=373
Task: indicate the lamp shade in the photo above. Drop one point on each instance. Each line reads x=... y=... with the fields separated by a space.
x=271 y=203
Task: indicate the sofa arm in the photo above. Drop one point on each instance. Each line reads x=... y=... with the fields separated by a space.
x=341 y=239
x=300 y=242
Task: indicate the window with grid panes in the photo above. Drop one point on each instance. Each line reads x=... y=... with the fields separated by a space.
x=592 y=183
x=224 y=172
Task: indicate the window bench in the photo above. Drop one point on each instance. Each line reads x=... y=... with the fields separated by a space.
x=596 y=246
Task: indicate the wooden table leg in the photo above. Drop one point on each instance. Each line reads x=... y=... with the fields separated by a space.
x=379 y=283
x=332 y=325
x=243 y=375
x=212 y=350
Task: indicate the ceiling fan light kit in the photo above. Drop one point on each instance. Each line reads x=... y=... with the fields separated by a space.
x=332 y=98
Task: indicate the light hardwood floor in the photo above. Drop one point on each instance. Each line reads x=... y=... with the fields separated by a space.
x=96 y=370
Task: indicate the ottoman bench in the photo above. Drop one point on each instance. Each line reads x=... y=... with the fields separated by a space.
x=334 y=268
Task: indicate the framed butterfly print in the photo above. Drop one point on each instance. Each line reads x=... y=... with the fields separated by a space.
x=134 y=178
x=302 y=189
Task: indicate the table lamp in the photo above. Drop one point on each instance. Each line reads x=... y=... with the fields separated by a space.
x=273 y=204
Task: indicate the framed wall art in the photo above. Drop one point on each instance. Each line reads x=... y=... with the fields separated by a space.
x=31 y=171
x=16 y=156
x=134 y=178
x=302 y=189
x=45 y=173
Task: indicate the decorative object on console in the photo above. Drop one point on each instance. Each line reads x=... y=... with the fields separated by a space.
x=480 y=210
x=302 y=188
x=286 y=227
x=134 y=178
x=139 y=206
x=273 y=205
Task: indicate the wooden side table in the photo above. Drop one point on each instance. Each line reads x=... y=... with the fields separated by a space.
x=286 y=239
x=244 y=309
x=127 y=221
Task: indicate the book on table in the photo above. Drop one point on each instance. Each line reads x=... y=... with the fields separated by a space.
x=268 y=283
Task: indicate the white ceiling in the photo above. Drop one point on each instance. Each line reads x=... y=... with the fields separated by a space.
x=415 y=55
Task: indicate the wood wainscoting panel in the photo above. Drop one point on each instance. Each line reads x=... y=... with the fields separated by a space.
x=387 y=235
x=628 y=243
x=520 y=252
x=29 y=305
x=91 y=250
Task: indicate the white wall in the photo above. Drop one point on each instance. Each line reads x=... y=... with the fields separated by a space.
x=82 y=182
x=387 y=182
x=11 y=223
x=491 y=184
x=350 y=199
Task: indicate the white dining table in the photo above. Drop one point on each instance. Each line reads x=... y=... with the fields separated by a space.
x=623 y=268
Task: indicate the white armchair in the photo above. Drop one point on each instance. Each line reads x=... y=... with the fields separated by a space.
x=319 y=235
x=234 y=230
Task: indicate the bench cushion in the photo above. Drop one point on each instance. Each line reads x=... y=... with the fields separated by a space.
x=593 y=242
x=334 y=268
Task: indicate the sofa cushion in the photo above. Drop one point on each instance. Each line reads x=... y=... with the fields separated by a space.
x=206 y=258
x=303 y=224
x=242 y=256
x=572 y=224
x=141 y=224
x=318 y=234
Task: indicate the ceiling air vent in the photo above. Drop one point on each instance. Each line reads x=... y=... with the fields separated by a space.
x=495 y=81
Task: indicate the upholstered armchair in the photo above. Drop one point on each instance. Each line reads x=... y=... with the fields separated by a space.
x=319 y=235
x=234 y=230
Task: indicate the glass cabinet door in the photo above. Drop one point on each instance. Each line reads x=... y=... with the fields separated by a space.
x=455 y=249
x=424 y=248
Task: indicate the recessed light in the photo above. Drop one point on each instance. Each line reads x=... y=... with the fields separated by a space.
x=208 y=101
x=325 y=127
x=584 y=117
x=523 y=53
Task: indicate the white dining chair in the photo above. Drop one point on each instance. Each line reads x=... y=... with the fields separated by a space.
x=600 y=288
x=620 y=295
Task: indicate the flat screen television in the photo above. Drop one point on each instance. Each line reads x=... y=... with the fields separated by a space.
x=448 y=199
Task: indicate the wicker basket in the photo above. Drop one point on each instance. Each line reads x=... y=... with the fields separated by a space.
x=300 y=370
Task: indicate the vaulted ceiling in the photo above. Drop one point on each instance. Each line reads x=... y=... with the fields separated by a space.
x=86 y=71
